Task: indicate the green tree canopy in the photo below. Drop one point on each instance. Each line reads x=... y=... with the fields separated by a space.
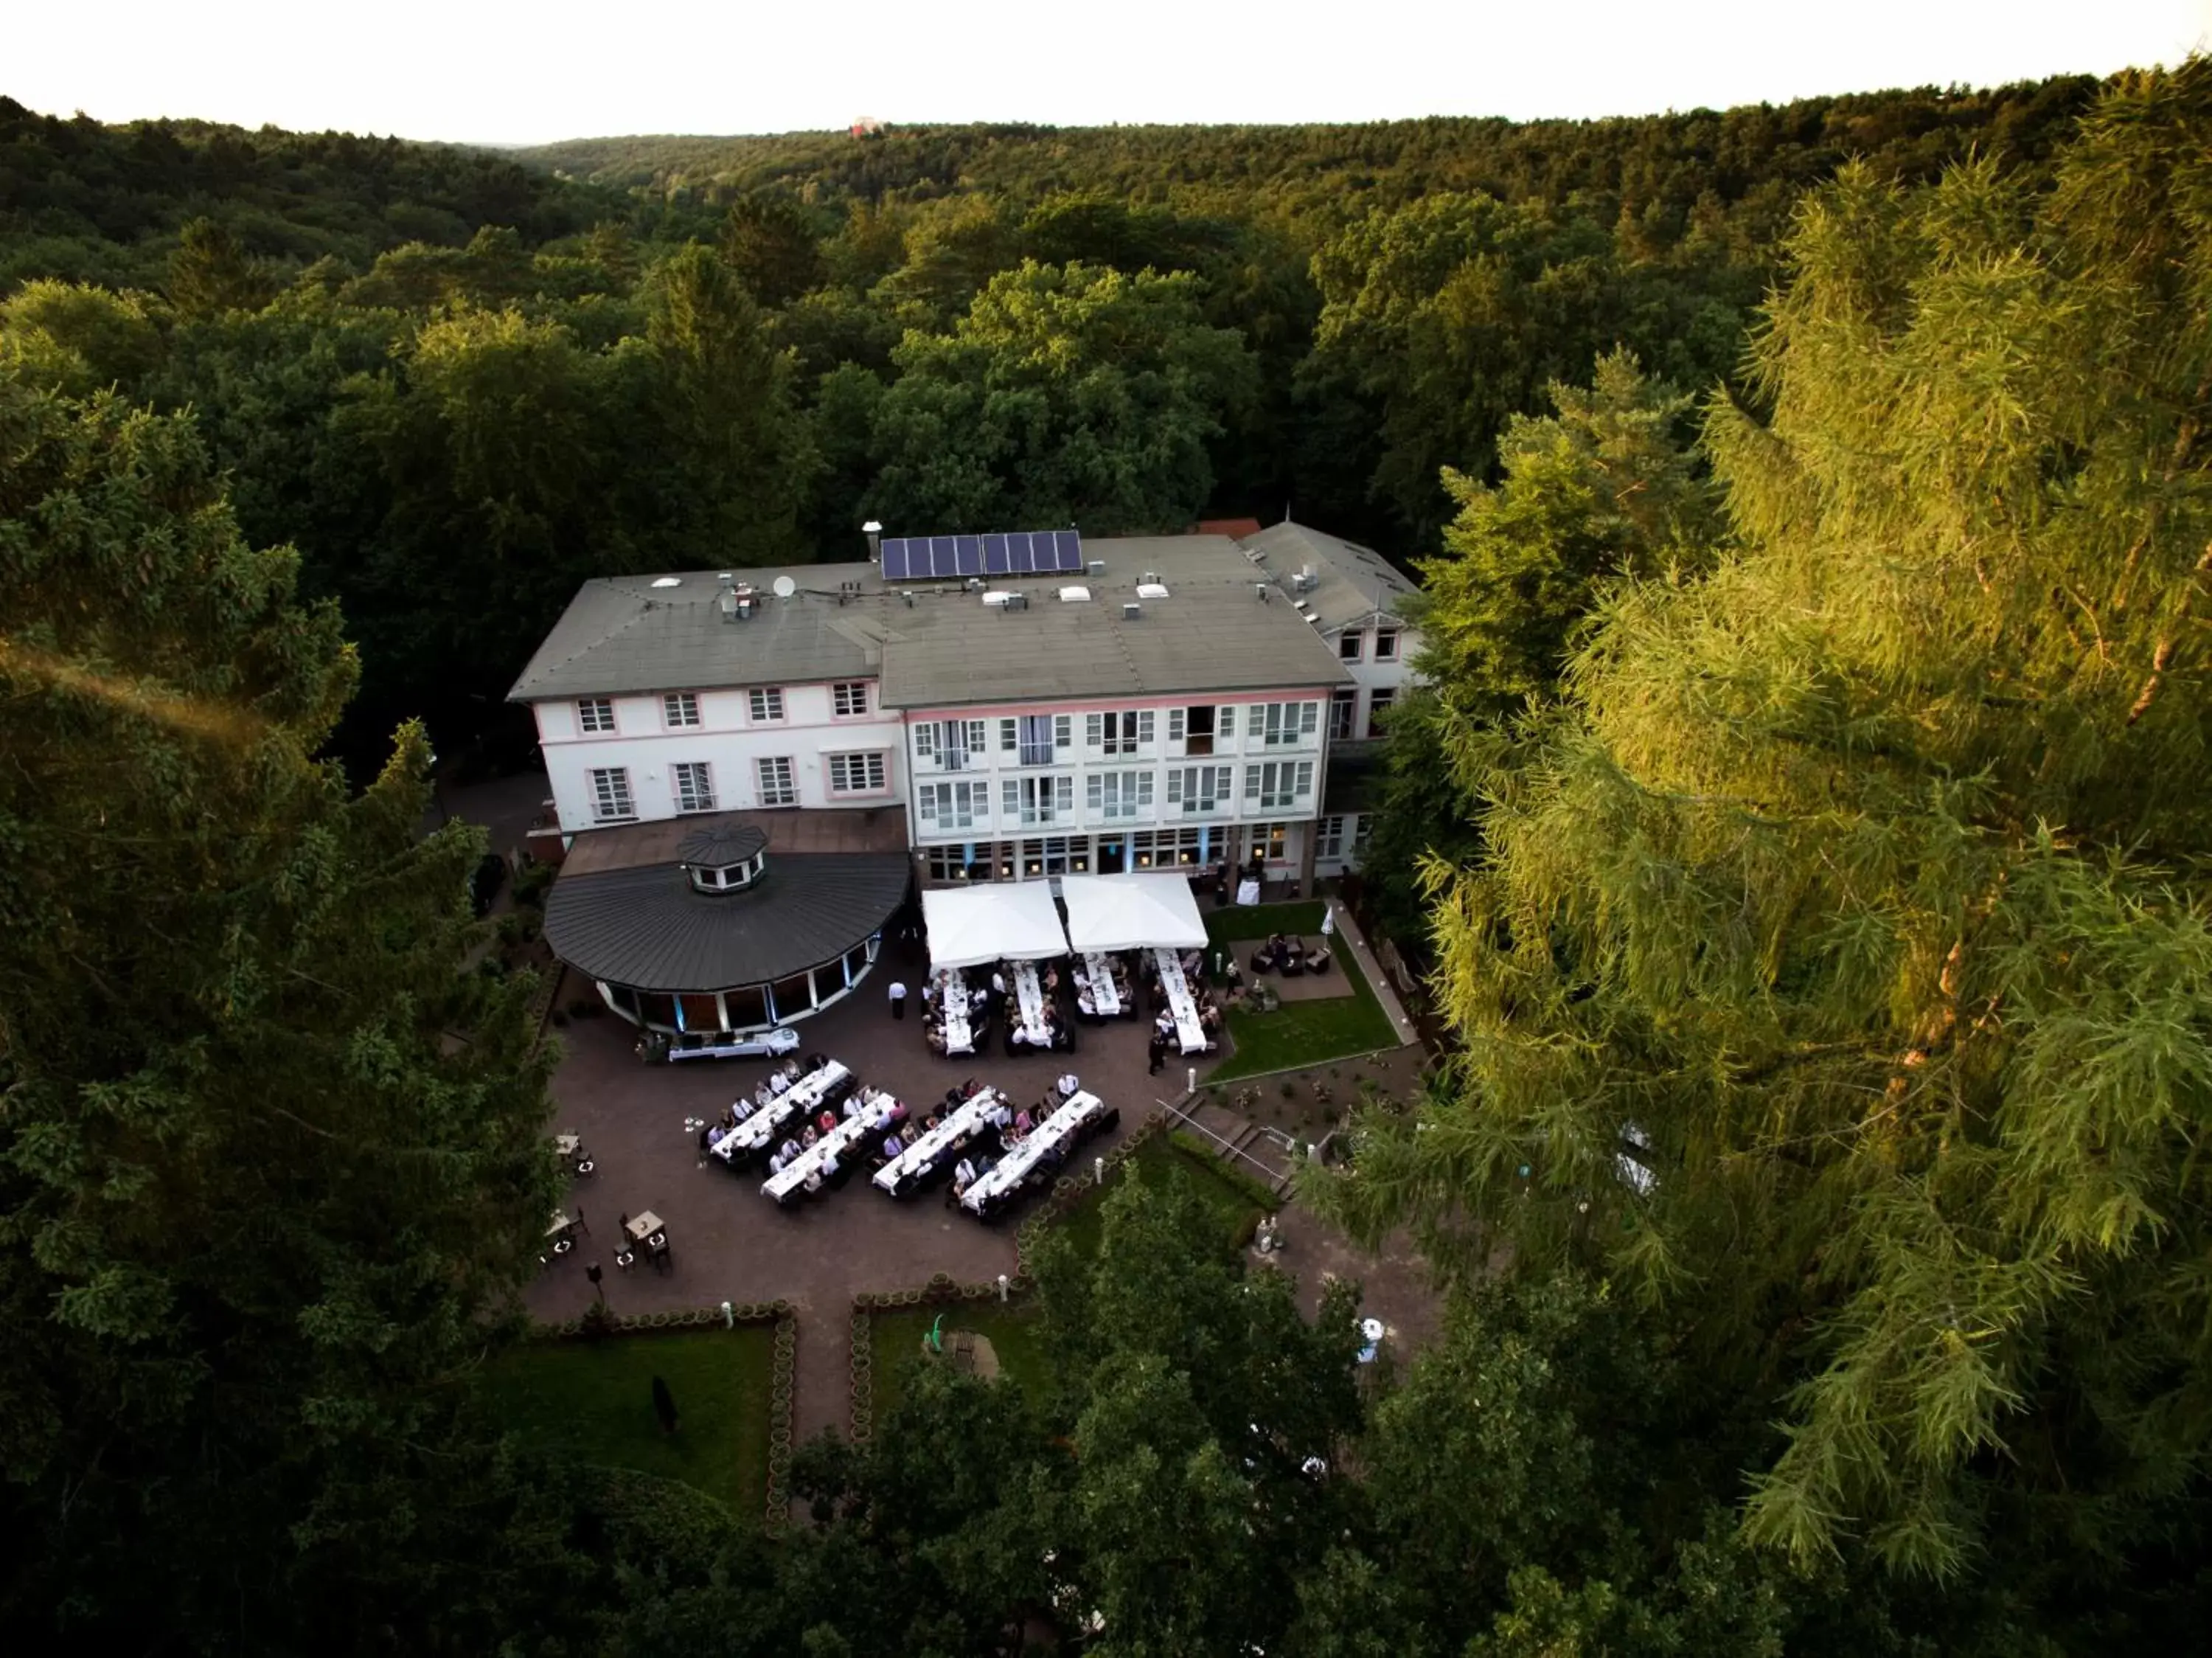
x=268 y=1158
x=1836 y=977
x=1067 y=394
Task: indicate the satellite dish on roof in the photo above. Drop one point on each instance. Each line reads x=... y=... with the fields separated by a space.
x=785 y=587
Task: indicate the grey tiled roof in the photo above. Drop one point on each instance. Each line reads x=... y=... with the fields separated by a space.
x=938 y=644
x=1353 y=581
x=645 y=927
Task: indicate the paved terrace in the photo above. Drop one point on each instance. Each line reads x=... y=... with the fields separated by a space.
x=730 y=1243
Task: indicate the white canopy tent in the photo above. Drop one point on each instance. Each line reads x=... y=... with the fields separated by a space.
x=1131 y=912
x=971 y=925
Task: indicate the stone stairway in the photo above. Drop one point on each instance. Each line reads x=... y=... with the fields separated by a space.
x=1243 y=1143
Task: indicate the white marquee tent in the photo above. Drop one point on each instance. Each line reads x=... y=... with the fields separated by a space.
x=971 y=925
x=1131 y=912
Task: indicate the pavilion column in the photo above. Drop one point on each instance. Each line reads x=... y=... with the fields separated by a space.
x=1309 y=833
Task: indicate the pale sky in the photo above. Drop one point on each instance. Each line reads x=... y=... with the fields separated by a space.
x=495 y=72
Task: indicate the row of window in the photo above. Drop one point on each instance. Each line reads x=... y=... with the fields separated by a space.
x=1269 y=785
x=1048 y=739
x=1190 y=848
x=775 y=782
x=679 y=710
x=1351 y=645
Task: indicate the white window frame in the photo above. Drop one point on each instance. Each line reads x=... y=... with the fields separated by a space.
x=1356 y=637
x=1328 y=839
x=868 y=760
x=1126 y=731
x=1344 y=714
x=1039 y=800
x=1285 y=725
x=1121 y=797
x=1278 y=785
x=776 y=791
x=612 y=800
x=595 y=716
x=849 y=699
x=692 y=784
x=679 y=710
x=764 y=704
x=953 y=745
x=955 y=804
x=1386 y=644
x=1208 y=788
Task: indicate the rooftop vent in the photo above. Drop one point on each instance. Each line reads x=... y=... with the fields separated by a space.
x=668 y=581
x=1151 y=589
x=1149 y=578
x=1075 y=595
x=1097 y=569
x=996 y=600
x=1264 y=589
x=1131 y=612
x=1305 y=581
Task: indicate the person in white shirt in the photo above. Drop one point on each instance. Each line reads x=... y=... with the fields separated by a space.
x=776 y=1164
x=1067 y=1086
x=779 y=1083
x=965 y=1175
x=997 y=981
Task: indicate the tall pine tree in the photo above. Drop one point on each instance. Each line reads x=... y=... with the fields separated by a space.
x=268 y=1158
x=1837 y=978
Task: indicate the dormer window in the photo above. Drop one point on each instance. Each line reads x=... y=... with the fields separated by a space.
x=725 y=858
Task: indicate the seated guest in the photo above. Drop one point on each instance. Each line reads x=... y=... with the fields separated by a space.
x=810 y=1137
x=892 y=1147
x=779 y=1083
x=789 y=1150
x=935 y=1039
x=1067 y=1085
x=776 y=1163
x=898 y=1111
x=827 y=1122
x=963 y=1175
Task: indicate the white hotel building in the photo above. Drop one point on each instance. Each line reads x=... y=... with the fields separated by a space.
x=1178 y=702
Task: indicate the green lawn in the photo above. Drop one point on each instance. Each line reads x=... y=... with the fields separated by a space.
x=1161 y=1159
x=594 y=1401
x=1010 y=1330
x=1298 y=1032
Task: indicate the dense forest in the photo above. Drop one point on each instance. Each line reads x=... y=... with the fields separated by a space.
x=459 y=383
x=1804 y=811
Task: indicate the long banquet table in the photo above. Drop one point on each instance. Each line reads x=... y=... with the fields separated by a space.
x=759 y=1131
x=972 y=1116
x=1098 y=986
x=839 y=1142
x=1029 y=997
x=1181 y=1003
x=1057 y=1133
x=953 y=1003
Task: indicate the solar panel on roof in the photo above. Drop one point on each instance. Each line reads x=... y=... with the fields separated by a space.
x=945 y=557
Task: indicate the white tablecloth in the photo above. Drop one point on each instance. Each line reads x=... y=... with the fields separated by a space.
x=1105 y=1000
x=1029 y=996
x=1059 y=1129
x=971 y=1116
x=765 y=1126
x=1181 y=1003
x=839 y=1142
x=952 y=1003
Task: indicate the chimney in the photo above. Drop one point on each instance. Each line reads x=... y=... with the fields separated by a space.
x=727 y=600
x=874 y=531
